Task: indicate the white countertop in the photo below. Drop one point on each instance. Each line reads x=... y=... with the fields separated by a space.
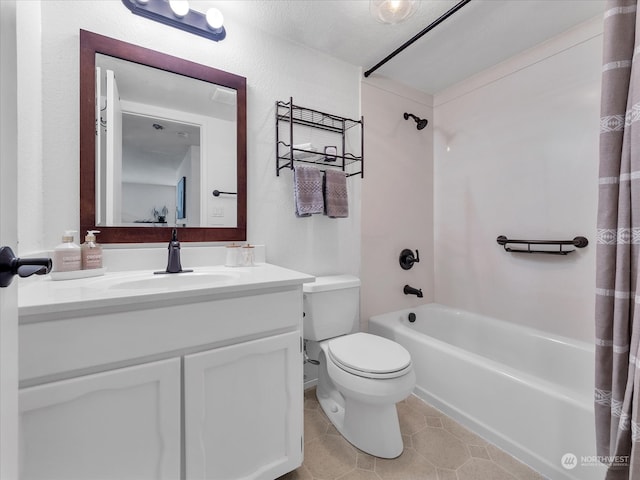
x=43 y=297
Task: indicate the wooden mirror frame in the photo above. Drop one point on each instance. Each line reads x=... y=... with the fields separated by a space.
x=90 y=45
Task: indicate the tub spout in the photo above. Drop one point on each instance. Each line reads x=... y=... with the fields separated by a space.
x=412 y=291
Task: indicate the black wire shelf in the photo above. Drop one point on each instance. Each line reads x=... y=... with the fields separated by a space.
x=287 y=154
x=314 y=118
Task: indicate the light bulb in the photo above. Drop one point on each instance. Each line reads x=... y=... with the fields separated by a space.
x=179 y=7
x=214 y=19
x=392 y=11
x=394 y=5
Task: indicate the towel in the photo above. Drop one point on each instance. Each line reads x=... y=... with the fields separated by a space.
x=307 y=190
x=336 y=201
x=309 y=154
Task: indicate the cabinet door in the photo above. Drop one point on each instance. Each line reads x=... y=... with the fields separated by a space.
x=121 y=424
x=243 y=410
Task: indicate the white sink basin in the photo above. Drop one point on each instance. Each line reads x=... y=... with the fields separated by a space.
x=174 y=281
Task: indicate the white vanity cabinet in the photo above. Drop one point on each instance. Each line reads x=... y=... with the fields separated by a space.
x=122 y=424
x=202 y=384
x=246 y=396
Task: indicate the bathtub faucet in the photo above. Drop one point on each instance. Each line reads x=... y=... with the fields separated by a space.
x=412 y=291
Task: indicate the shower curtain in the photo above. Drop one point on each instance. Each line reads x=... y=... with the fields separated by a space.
x=617 y=375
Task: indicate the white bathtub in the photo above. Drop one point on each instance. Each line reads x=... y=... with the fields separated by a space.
x=526 y=391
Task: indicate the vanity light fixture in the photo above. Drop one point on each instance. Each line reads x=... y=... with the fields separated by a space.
x=177 y=13
x=392 y=11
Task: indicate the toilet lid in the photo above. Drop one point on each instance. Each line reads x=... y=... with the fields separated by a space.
x=369 y=355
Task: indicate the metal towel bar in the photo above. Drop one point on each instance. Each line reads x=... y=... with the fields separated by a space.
x=578 y=242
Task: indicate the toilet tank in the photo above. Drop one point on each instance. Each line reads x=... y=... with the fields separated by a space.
x=331 y=306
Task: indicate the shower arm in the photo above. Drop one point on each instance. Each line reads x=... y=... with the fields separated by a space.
x=420 y=122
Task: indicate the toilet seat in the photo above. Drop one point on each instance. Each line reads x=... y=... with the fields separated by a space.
x=369 y=356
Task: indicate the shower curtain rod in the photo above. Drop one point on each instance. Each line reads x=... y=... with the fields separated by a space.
x=437 y=22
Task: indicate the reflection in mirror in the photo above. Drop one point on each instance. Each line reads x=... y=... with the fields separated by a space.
x=167 y=134
x=151 y=124
x=157 y=154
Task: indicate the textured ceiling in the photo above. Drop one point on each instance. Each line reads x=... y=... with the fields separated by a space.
x=481 y=34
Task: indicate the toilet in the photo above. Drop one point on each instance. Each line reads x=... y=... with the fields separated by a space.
x=360 y=376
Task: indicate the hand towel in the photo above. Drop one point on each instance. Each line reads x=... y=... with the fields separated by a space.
x=336 y=200
x=309 y=154
x=307 y=190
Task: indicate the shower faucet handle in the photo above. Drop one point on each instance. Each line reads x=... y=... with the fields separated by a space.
x=407 y=259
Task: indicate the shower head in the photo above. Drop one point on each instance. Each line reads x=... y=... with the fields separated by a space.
x=422 y=122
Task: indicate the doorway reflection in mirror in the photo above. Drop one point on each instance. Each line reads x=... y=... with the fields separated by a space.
x=156 y=128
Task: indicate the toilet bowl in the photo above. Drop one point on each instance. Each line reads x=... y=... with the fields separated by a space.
x=361 y=377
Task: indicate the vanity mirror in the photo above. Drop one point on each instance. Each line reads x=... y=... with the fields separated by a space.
x=158 y=134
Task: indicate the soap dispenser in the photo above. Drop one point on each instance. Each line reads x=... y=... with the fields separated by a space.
x=91 y=251
x=67 y=255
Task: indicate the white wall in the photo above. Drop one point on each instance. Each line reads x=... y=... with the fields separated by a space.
x=30 y=126
x=516 y=154
x=221 y=210
x=397 y=197
x=275 y=70
x=140 y=199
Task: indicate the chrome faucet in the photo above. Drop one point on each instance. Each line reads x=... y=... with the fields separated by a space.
x=173 y=262
x=412 y=291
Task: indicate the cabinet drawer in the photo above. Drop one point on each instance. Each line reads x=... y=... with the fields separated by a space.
x=77 y=345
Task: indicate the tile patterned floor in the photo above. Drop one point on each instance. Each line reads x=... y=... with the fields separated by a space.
x=436 y=448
